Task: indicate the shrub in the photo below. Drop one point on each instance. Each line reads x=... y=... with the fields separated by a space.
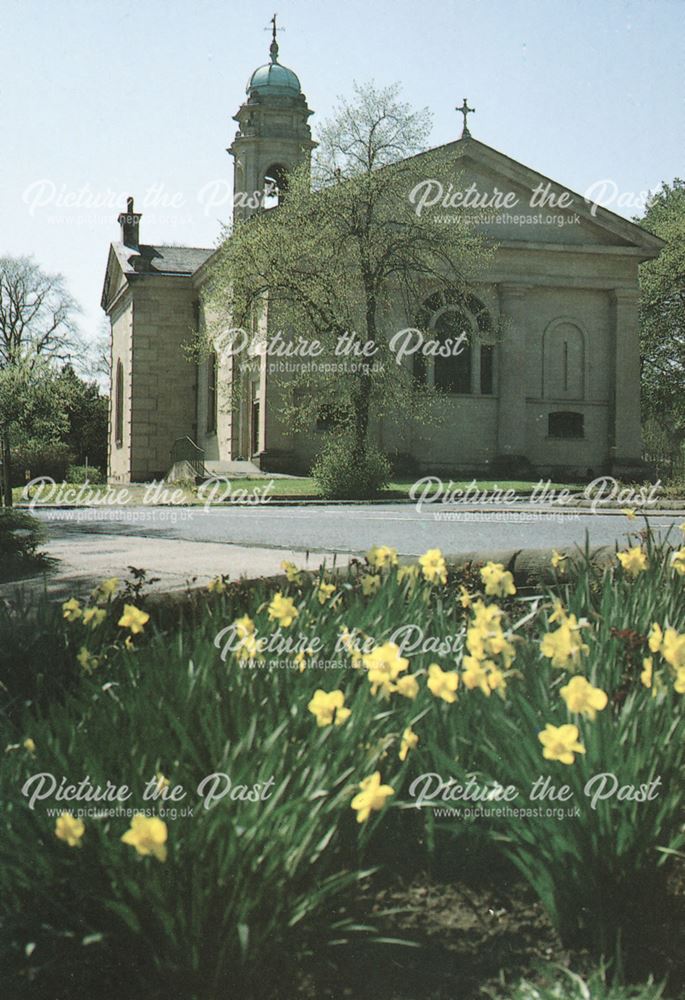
x=85 y=474
x=20 y=536
x=35 y=458
x=341 y=474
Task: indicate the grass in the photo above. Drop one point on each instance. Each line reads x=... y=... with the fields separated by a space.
x=256 y=888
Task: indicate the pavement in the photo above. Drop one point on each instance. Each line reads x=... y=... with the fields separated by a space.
x=187 y=546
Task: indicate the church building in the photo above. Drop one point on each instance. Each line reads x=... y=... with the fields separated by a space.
x=557 y=392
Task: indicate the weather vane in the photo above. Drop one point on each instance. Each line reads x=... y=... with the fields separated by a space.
x=465 y=110
x=274 y=44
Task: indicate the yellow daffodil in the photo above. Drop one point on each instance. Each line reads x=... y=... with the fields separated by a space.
x=86 y=659
x=581 y=697
x=465 y=598
x=282 y=609
x=134 y=619
x=384 y=665
x=371 y=584
x=382 y=556
x=678 y=561
x=372 y=796
x=29 y=745
x=243 y=626
x=560 y=743
x=673 y=648
x=69 y=829
x=71 y=610
x=497 y=680
x=655 y=638
x=443 y=683
x=148 y=834
x=557 y=559
x=106 y=589
x=476 y=675
x=328 y=707
x=249 y=648
x=94 y=617
x=409 y=742
x=633 y=561
x=498 y=581
x=301 y=658
x=217 y=585
x=629 y=513
x=565 y=645
x=292 y=572
x=434 y=566
x=407 y=686
x=647 y=671
x=679 y=683
x=162 y=781
x=128 y=642
x=324 y=592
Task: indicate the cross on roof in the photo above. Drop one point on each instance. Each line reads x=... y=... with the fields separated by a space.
x=465 y=110
x=274 y=44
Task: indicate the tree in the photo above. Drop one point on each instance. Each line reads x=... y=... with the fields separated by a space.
x=36 y=330
x=341 y=254
x=662 y=317
x=87 y=414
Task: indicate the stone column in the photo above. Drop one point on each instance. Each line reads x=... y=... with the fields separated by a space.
x=625 y=431
x=511 y=406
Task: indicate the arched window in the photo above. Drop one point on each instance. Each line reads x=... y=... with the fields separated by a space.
x=463 y=329
x=563 y=364
x=275 y=185
x=211 y=392
x=119 y=406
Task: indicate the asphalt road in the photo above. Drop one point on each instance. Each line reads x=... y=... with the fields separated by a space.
x=353 y=529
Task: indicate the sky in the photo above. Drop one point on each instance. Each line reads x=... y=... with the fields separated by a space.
x=100 y=99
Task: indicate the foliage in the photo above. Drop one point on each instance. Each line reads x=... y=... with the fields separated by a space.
x=32 y=458
x=20 y=536
x=662 y=333
x=250 y=682
x=85 y=474
x=341 y=474
x=87 y=415
x=562 y=984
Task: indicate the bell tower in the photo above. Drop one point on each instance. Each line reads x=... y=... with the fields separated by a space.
x=273 y=135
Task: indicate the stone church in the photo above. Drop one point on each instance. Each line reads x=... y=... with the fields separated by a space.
x=558 y=392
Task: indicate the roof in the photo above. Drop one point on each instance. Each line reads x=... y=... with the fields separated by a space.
x=149 y=259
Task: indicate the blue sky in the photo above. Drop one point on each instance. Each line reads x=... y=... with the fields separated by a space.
x=103 y=99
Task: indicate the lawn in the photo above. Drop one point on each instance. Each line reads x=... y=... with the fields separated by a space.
x=395 y=782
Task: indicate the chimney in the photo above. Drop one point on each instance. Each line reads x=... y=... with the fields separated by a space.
x=129 y=221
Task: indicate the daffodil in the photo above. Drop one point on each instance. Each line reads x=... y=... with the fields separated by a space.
x=647 y=671
x=557 y=559
x=382 y=556
x=497 y=680
x=679 y=683
x=408 y=573
x=292 y=572
x=371 y=584
x=282 y=609
x=217 y=585
x=148 y=834
x=565 y=645
x=324 y=592
x=328 y=707
x=629 y=513
x=560 y=743
x=409 y=742
x=29 y=745
x=105 y=589
x=655 y=638
x=633 y=561
x=87 y=660
x=678 y=561
x=301 y=658
x=581 y=697
x=162 y=782
x=407 y=686
x=434 y=566
x=249 y=648
x=243 y=626
x=443 y=683
x=384 y=665
x=372 y=796
x=71 y=610
x=498 y=581
x=134 y=619
x=673 y=648
x=94 y=617
x=465 y=599
x=69 y=829
x=476 y=675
